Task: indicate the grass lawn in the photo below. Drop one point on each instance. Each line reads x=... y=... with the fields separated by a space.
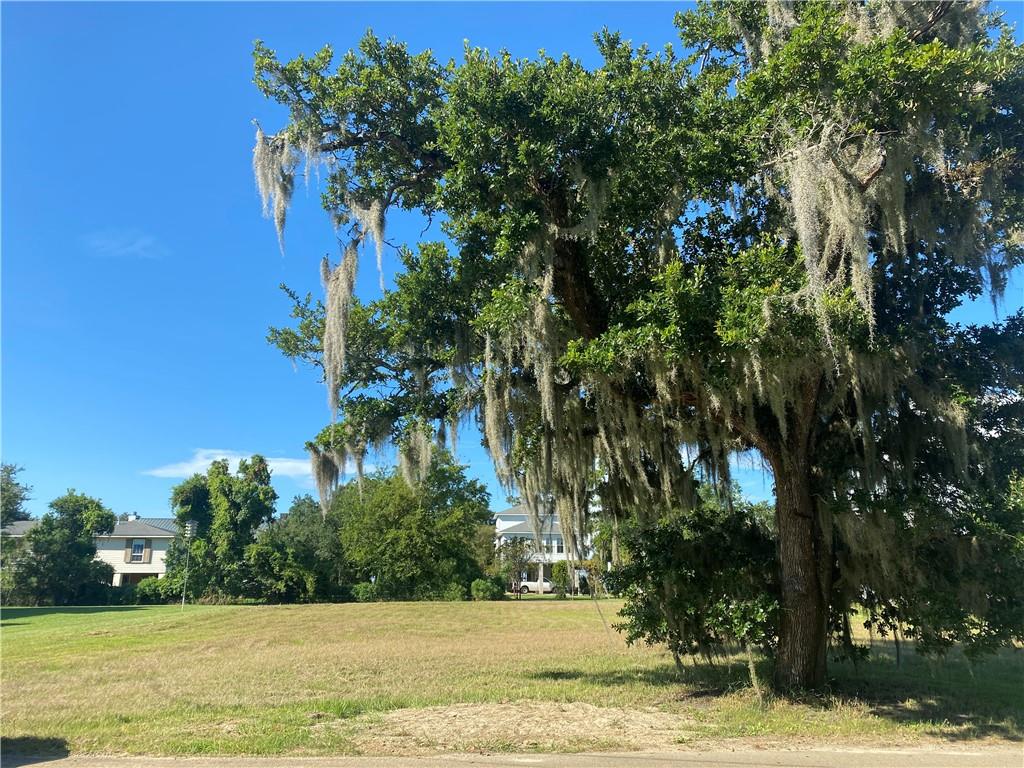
x=408 y=678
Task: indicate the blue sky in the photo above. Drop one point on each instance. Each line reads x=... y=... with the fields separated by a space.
x=138 y=276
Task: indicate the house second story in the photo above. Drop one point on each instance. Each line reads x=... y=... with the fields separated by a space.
x=514 y=523
x=135 y=549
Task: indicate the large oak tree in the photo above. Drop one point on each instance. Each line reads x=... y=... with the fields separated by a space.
x=672 y=258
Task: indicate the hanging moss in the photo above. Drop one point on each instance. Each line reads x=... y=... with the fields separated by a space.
x=415 y=452
x=326 y=472
x=339 y=284
x=274 y=162
x=371 y=221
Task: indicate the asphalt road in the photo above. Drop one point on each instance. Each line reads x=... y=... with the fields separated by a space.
x=932 y=757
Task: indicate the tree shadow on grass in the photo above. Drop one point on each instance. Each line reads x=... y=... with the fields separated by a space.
x=981 y=699
x=963 y=702
x=27 y=750
x=6 y=614
x=699 y=681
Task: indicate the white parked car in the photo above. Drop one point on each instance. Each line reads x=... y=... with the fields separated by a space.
x=542 y=587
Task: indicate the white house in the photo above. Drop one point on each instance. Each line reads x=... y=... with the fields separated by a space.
x=136 y=548
x=514 y=523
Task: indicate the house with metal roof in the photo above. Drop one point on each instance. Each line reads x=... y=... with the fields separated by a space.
x=135 y=549
x=514 y=523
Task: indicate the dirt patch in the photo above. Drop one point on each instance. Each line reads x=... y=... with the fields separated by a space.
x=516 y=727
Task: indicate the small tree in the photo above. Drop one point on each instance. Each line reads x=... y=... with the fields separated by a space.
x=694 y=579
x=560 y=577
x=595 y=573
x=58 y=564
x=13 y=495
x=514 y=556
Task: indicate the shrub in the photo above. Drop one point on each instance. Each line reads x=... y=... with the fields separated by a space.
x=121 y=595
x=220 y=598
x=699 y=579
x=365 y=592
x=422 y=592
x=486 y=589
x=150 y=591
x=454 y=592
x=560 y=577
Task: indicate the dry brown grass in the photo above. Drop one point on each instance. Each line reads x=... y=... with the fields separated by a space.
x=524 y=726
x=425 y=677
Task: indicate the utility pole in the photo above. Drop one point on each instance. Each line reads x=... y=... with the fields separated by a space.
x=191 y=526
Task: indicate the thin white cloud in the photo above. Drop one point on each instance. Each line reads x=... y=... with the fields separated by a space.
x=296 y=469
x=124 y=244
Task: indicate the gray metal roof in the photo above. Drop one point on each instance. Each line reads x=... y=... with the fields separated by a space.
x=526 y=529
x=518 y=509
x=143 y=528
x=146 y=528
x=19 y=527
x=168 y=524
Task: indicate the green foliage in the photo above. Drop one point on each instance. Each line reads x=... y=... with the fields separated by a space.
x=229 y=509
x=190 y=500
x=122 y=595
x=595 y=579
x=413 y=543
x=698 y=579
x=455 y=592
x=11 y=551
x=952 y=554
x=486 y=589
x=13 y=495
x=396 y=541
x=560 y=577
x=298 y=557
x=365 y=592
x=276 y=577
x=151 y=591
x=56 y=564
x=484 y=552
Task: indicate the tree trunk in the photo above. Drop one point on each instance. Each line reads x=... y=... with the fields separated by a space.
x=805 y=560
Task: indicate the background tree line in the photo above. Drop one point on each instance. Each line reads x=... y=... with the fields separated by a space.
x=380 y=540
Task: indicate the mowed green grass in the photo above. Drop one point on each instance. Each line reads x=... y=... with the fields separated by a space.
x=321 y=679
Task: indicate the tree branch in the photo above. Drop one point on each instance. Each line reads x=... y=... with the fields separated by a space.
x=941 y=9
